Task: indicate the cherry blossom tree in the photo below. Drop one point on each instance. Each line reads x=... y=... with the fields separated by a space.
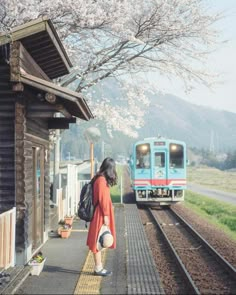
x=118 y=38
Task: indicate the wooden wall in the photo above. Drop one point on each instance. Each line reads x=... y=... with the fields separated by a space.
x=29 y=133
x=17 y=136
x=7 y=138
x=22 y=207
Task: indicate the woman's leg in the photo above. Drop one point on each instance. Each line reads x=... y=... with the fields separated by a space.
x=99 y=270
x=98 y=260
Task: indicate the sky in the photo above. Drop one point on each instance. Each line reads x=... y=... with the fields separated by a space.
x=223 y=95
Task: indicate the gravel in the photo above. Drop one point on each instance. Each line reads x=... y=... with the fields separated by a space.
x=216 y=237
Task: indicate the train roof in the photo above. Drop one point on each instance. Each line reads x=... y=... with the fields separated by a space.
x=159 y=139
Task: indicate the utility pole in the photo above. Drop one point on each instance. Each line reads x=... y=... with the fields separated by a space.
x=92 y=159
x=92 y=135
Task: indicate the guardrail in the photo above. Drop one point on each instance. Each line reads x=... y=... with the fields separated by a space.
x=7 y=238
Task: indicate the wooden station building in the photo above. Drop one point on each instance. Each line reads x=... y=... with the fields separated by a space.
x=31 y=56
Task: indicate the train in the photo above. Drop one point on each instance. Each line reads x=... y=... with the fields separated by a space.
x=158 y=171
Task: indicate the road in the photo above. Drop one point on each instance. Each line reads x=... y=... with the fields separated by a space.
x=212 y=193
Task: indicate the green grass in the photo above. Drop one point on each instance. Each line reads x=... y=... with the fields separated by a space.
x=221 y=214
x=115 y=190
x=213 y=178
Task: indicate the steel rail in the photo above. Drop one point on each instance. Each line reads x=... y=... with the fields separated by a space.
x=224 y=263
x=193 y=288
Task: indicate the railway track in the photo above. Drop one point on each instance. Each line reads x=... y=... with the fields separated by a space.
x=198 y=267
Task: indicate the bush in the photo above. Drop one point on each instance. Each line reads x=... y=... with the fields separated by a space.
x=115 y=190
x=230 y=222
x=219 y=212
x=213 y=210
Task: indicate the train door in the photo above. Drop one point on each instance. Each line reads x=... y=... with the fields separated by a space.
x=176 y=171
x=143 y=165
x=159 y=172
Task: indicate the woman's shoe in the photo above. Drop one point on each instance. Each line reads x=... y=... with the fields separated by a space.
x=103 y=273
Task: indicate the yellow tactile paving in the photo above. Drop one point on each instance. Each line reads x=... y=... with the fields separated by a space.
x=88 y=283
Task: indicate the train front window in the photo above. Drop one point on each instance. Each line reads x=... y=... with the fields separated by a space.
x=176 y=155
x=159 y=159
x=143 y=156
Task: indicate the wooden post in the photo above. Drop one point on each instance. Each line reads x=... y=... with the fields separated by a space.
x=56 y=172
x=91 y=159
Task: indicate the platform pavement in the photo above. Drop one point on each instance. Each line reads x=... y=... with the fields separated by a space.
x=65 y=259
x=64 y=262
x=65 y=267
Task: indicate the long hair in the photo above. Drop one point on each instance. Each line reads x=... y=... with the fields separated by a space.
x=108 y=170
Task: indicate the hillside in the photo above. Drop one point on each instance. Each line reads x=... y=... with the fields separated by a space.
x=198 y=126
x=167 y=115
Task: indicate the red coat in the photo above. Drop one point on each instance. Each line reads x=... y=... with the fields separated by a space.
x=104 y=208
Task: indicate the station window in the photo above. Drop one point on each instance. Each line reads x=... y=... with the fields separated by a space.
x=159 y=159
x=143 y=157
x=176 y=155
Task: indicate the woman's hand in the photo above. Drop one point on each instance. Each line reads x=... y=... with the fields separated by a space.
x=106 y=220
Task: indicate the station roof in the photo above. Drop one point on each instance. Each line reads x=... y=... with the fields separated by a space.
x=41 y=40
x=73 y=101
x=41 y=59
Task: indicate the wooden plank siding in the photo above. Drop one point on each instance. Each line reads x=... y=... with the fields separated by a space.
x=18 y=134
x=28 y=64
x=22 y=207
x=7 y=137
x=29 y=133
x=38 y=128
x=21 y=60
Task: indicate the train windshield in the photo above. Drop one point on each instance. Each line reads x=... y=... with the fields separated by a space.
x=159 y=159
x=143 y=157
x=176 y=156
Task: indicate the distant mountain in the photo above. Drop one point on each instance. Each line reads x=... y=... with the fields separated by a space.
x=198 y=126
x=168 y=116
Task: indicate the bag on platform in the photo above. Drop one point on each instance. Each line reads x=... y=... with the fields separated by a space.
x=85 y=207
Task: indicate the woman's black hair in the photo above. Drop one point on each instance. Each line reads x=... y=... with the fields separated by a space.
x=108 y=170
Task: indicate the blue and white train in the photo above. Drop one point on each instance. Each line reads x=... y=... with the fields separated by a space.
x=158 y=171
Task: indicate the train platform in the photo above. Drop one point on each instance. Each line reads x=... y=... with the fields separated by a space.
x=69 y=264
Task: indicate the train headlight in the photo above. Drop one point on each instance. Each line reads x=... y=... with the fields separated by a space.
x=144 y=148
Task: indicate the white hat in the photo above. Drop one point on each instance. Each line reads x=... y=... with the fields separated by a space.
x=105 y=238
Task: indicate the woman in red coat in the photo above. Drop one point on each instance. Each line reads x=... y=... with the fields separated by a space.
x=104 y=212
